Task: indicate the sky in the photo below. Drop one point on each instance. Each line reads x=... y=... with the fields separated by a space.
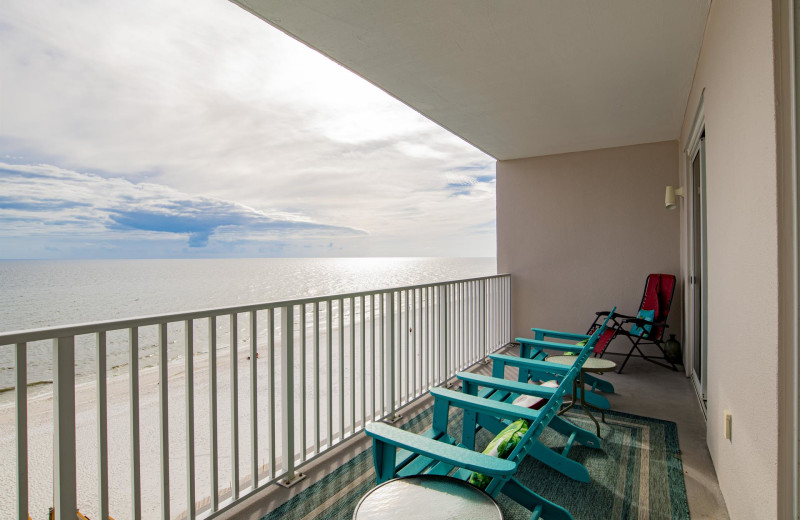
x=167 y=129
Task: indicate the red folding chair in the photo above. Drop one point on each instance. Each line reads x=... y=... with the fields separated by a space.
x=648 y=326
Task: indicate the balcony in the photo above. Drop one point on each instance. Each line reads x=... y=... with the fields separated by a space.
x=591 y=110
x=288 y=405
x=643 y=389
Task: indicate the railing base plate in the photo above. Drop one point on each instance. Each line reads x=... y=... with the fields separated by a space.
x=393 y=419
x=289 y=482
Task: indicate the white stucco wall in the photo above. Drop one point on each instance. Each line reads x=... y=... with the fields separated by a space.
x=580 y=232
x=735 y=70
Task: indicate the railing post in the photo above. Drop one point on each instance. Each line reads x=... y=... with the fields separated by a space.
x=234 y=332
x=21 y=394
x=482 y=321
x=329 y=359
x=64 y=461
x=287 y=396
x=507 y=280
x=188 y=360
x=253 y=318
x=133 y=383
x=340 y=305
x=389 y=354
x=443 y=331
x=212 y=411
x=163 y=406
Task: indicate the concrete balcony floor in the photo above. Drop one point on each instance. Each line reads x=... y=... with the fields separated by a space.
x=643 y=389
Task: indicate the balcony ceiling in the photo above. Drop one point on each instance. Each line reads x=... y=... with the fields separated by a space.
x=516 y=78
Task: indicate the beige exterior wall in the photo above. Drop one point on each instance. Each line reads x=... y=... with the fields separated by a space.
x=735 y=76
x=580 y=232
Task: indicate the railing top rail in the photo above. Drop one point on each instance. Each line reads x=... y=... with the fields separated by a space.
x=24 y=336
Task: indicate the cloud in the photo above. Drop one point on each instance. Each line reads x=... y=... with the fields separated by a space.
x=470 y=186
x=96 y=204
x=38 y=205
x=213 y=103
x=472 y=167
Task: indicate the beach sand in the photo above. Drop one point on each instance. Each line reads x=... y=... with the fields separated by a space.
x=40 y=434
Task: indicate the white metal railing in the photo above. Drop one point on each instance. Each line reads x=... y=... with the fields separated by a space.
x=318 y=368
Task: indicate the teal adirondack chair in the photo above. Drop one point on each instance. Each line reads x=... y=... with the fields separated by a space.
x=437 y=452
x=534 y=349
x=497 y=388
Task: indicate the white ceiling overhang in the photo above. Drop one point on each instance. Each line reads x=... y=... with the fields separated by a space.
x=516 y=78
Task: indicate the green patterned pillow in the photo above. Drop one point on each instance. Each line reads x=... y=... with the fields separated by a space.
x=501 y=446
x=581 y=343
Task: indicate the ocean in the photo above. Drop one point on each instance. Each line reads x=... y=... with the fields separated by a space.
x=49 y=293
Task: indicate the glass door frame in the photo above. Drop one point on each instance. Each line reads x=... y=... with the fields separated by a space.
x=697 y=297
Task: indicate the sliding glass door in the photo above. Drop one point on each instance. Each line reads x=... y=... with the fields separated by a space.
x=697 y=279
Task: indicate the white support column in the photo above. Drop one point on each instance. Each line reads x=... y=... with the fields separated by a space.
x=64 y=460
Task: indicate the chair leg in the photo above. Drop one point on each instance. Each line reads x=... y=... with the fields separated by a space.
x=598 y=401
x=582 y=436
x=599 y=384
x=542 y=507
x=384 y=456
x=619 y=370
x=642 y=355
x=564 y=465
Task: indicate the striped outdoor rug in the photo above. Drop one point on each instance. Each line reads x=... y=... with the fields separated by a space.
x=637 y=475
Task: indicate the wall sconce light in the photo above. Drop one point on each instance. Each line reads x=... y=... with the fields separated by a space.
x=670 y=202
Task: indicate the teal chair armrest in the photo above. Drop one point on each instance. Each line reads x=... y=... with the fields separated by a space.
x=516 y=387
x=454 y=455
x=550 y=345
x=530 y=364
x=472 y=403
x=545 y=333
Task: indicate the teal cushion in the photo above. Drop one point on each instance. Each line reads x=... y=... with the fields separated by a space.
x=643 y=331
